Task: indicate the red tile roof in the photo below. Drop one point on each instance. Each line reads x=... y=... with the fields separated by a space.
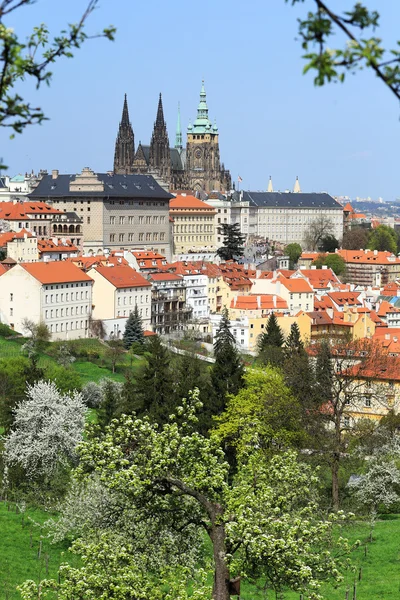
x=297 y=286
x=9 y=236
x=342 y=298
x=55 y=272
x=190 y=202
x=59 y=246
x=259 y=302
x=165 y=277
x=12 y=212
x=368 y=257
x=121 y=276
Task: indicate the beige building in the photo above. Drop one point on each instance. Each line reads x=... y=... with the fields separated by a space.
x=58 y=294
x=117 y=290
x=194 y=229
x=118 y=211
x=298 y=293
x=23 y=248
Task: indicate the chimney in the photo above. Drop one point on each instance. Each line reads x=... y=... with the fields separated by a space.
x=274 y=301
x=258 y=302
x=375 y=252
x=54 y=173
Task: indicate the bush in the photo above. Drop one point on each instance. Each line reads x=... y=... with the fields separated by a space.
x=5 y=331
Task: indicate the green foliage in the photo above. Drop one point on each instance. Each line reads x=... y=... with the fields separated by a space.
x=293 y=343
x=383 y=238
x=293 y=251
x=264 y=413
x=6 y=331
x=355 y=238
x=328 y=243
x=30 y=59
x=233 y=242
x=114 y=352
x=12 y=388
x=66 y=380
x=263 y=525
x=270 y=343
x=133 y=333
x=227 y=371
x=111 y=392
x=360 y=50
x=332 y=261
x=154 y=389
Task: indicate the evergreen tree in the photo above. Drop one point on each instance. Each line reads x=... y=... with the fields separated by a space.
x=111 y=393
x=323 y=373
x=293 y=343
x=233 y=242
x=193 y=373
x=154 y=394
x=133 y=329
x=227 y=371
x=270 y=343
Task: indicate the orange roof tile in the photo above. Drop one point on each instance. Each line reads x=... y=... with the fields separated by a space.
x=9 y=236
x=121 y=276
x=297 y=286
x=165 y=277
x=342 y=298
x=50 y=246
x=259 y=302
x=190 y=202
x=55 y=272
x=368 y=257
x=12 y=212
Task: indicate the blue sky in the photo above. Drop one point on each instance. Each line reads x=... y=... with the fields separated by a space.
x=343 y=139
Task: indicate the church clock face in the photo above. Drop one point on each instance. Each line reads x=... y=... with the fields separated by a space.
x=198 y=153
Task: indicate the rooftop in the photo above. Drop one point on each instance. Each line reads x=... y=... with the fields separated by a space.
x=121 y=276
x=55 y=272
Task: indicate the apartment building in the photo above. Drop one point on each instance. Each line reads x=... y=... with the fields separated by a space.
x=370 y=267
x=193 y=225
x=56 y=249
x=117 y=290
x=196 y=281
x=118 y=211
x=58 y=294
x=169 y=311
x=298 y=293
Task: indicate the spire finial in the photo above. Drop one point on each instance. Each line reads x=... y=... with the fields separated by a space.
x=160 y=112
x=125 y=112
x=178 y=137
x=270 y=186
x=297 y=188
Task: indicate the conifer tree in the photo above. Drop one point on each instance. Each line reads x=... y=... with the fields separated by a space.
x=227 y=371
x=133 y=329
x=154 y=390
x=293 y=343
x=233 y=242
x=270 y=343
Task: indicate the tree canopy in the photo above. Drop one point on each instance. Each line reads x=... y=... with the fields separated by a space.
x=232 y=248
x=293 y=251
x=383 y=238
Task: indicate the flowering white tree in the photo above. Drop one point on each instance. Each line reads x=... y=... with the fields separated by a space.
x=48 y=426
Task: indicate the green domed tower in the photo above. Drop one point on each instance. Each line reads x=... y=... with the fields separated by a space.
x=203 y=165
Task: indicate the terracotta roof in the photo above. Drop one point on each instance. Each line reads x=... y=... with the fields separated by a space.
x=50 y=246
x=55 y=272
x=9 y=236
x=121 y=276
x=165 y=277
x=319 y=277
x=2 y=270
x=259 y=302
x=368 y=257
x=342 y=298
x=12 y=212
x=348 y=208
x=190 y=202
x=297 y=286
x=385 y=308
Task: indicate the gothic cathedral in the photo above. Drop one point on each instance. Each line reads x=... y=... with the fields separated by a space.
x=196 y=167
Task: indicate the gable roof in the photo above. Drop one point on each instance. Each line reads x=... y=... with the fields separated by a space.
x=56 y=246
x=121 y=276
x=297 y=286
x=165 y=277
x=259 y=302
x=9 y=236
x=11 y=211
x=55 y=272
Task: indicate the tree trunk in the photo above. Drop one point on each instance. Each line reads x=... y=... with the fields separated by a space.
x=335 y=481
x=221 y=572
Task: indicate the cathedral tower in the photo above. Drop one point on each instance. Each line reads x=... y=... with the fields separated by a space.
x=203 y=166
x=124 y=145
x=159 y=155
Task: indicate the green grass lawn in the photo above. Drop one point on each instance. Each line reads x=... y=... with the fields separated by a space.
x=19 y=544
x=380 y=567
x=19 y=549
x=89 y=370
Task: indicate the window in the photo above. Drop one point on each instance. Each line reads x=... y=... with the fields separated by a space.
x=141 y=236
x=112 y=220
x=367 y=401
x=141 y=219
x=130 y=237
x=131 y=220
x=12 y=297
x=11 y=312
x=88 y=220
x=121 y=237
x=121 y=220
x=112 y=237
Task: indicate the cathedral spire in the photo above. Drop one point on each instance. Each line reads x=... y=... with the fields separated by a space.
x=160 y=114
x=178 y=137
x=270 y=186
x=125 y=144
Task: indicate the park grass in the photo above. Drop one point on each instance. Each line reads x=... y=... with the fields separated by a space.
x=88 y=370
x=378 y=560
x=19 y=549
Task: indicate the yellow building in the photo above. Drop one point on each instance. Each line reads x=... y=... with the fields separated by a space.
x=193 y=225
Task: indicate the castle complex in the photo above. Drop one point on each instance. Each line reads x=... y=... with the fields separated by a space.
x=196 y=167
